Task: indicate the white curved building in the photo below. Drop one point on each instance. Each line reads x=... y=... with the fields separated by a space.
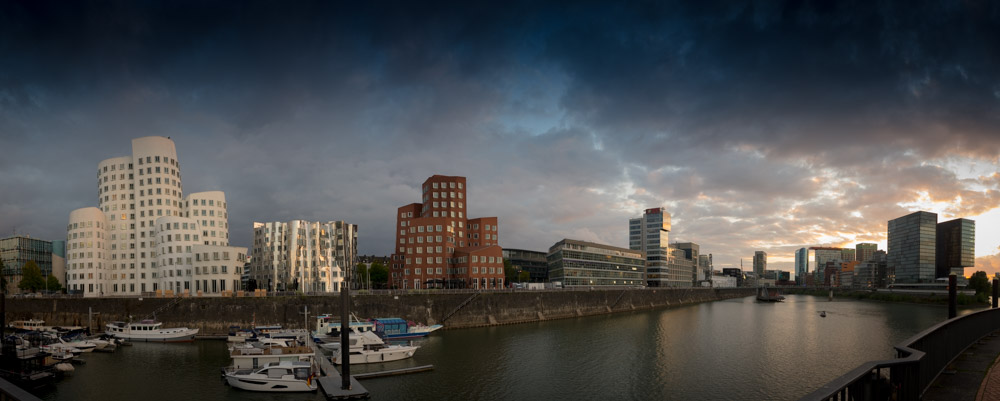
x=302 y=255
x=147 y=228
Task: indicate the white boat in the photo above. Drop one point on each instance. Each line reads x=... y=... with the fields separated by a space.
x=285 y=376
x=369 y=348
x=85 y=346
x=255 y=357
x=328 y=325
x=29 y=325
x=150 y=330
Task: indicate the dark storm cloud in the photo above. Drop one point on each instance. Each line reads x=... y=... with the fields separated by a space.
x=760 y=124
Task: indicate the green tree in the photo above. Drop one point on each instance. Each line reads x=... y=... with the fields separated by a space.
x=52 y=284
x=510 y=271
x=31 y=277
x=379 y=275
x=362 y=271
x=523 y=276
x=981 y=283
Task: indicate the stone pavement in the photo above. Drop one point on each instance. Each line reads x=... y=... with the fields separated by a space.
x=974 y=375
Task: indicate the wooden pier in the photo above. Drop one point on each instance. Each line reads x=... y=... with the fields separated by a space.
x=330 y=382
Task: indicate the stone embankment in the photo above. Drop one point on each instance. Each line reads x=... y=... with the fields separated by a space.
x=454 y=310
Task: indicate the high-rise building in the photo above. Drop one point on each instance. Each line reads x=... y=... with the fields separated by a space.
x=864 y=251
x=650 y=234
x=801 y=265
x=533 y=262
x=759 y=263
x=145 y=235
x=17 y=250
x=439 y=246
x=684 y=262
x=580 y=263
x=956 y=247
x=302 y=255
x=823 y=256
x=847 y=255
x=911 y=251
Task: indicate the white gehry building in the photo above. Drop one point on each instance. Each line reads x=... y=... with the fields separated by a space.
x=146 y=236
x=301 y=255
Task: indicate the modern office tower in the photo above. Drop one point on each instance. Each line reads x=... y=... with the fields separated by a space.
x=533 y=262
x=911 y=251
x=439 y=246
x=684 y=262
x=864 y=251
x=17 y=250
x=142 y=236
x=580 y=263
x=847 y=255
x=704 y=267
x=299 y=255
x=650 y=234
x=871 y=273
x=801 y=265
x=822 y=256
x=956 y=247
x=759 y=263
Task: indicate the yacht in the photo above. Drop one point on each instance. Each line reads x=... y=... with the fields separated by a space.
x=369 y=348
x=287 y=376
x=29 y=325
x=397 y=329
x=151 y=331
x=256 y=357
x=329 y=326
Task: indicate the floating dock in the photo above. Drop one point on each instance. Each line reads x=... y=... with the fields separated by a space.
x=393 y=372
x=330 y=382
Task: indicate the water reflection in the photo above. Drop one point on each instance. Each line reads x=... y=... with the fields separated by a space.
x=734 y=349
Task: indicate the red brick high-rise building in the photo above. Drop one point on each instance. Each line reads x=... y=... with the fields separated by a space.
x=439 y=246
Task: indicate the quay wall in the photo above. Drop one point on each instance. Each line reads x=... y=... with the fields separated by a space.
x=453 y=310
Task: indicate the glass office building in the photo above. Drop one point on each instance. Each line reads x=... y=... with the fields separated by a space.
x=17 y=250
x=912 y=241
x=956 y=247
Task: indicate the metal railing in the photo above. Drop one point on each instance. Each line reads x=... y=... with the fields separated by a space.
x=920 y=359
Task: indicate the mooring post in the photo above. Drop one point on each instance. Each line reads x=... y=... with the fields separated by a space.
x=996 y=291
x=831 y=293
x=952 y=296
x=345 y=328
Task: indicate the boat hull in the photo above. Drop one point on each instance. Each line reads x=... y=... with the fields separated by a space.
x=270 y=385
x=174 y=337
x=384 y=355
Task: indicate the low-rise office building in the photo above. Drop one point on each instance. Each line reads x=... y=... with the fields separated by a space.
x=582 y=263
x=533 y=262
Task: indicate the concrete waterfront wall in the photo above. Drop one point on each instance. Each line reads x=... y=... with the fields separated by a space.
x=215 y=315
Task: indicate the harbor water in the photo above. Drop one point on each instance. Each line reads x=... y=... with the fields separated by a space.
x=731 y=349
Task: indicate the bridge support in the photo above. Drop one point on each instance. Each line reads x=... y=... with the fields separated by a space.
x=952 y=296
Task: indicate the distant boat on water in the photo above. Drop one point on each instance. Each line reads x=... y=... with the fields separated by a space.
x=766 y=294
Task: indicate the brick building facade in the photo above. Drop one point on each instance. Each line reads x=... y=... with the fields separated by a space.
x=439 y=246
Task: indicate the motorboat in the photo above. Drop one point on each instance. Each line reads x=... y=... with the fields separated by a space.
x=255 y=357
x=822 y=313
x=286 y=376
x=149 y=330
x=329 y=326
x=82 y=345
x=369 y=348
x=29 y=325
x=397 y=329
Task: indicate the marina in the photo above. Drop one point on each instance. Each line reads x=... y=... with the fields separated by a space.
x=778 y=351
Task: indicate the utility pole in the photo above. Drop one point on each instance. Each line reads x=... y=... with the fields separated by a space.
x=305 y=316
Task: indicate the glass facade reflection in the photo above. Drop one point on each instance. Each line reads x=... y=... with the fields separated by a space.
x=912 y=241
x=956 y=247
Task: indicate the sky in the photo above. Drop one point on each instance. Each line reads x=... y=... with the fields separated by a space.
x=759 y=125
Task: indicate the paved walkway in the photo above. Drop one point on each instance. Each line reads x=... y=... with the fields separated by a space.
x=973 y=376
